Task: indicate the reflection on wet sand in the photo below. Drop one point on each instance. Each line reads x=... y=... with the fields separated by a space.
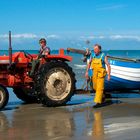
x=4 y=124
x=74 y=122
x=29 y=124
x=33 y=122
x=98 y=126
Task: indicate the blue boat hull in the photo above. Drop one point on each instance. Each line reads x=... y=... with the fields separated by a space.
x=121 y=84
x=125 y=74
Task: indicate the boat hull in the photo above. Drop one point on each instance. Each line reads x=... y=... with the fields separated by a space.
x=125 y=74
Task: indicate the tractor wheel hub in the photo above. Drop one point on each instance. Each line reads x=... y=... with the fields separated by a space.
x=58 y=84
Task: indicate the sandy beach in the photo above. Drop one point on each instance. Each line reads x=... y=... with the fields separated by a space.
x=76 y=120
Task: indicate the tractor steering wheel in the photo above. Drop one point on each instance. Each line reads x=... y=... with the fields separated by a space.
x=28 y=55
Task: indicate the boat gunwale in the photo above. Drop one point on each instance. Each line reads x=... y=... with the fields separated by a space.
x=123 y=59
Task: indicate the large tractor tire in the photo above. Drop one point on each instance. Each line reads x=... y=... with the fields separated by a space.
x=55 y=83
x=4 y=97
x=25 y=95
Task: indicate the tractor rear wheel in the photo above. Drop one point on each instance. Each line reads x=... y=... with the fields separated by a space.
x=55 y=83
x=25 y=95
x=4 y=97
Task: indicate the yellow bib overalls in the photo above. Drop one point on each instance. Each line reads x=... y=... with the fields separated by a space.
x=99 y=73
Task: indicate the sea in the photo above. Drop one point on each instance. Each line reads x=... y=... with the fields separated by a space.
x=78 y=66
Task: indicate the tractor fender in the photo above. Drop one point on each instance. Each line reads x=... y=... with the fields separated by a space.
x=61 y=56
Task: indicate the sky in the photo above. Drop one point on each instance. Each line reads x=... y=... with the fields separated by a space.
x=115 y=24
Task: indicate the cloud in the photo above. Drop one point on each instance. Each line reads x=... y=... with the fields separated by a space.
x=92 y=37
x=20 y=36
x=120 y=37
x=25 y=36
x=110 y=7
x=29 y=36
x=53 y=36
x=111 y=37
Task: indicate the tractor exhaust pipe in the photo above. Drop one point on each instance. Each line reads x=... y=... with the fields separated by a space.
x=10 y=49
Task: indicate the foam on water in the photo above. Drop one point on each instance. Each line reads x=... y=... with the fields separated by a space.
x=77 y=66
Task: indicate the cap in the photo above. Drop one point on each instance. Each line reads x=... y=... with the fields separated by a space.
x=42 y=40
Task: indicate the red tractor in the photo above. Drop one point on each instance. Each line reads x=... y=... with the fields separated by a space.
x=52 y=85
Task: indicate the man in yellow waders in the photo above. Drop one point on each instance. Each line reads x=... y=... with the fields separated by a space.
x=97 y=63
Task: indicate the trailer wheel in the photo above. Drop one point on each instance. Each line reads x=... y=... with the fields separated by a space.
x=4 y=97
x=55 y=83
x=25 y=95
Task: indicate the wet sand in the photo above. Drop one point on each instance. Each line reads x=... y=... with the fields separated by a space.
x=75 y=121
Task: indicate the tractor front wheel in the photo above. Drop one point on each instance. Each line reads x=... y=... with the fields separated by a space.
x=4 y=97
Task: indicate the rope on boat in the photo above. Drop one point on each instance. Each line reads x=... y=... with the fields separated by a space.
x=124 y=59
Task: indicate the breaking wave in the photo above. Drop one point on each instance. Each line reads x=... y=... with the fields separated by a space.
x=77 y=66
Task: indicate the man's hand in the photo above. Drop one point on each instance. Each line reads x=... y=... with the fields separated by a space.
x=108 y=78
x=108 y=68
x=87 y=52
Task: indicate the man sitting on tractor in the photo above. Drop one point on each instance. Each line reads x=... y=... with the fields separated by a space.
x=44 y=50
